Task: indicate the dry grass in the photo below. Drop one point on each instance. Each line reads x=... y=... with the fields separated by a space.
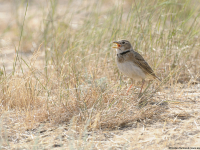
x=60 y=83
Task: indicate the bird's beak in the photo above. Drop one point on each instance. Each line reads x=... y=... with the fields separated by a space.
x=117 y=46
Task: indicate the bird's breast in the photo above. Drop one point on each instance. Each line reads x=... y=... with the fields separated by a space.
x=131 y=70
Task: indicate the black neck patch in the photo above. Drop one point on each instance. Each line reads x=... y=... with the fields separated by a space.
x=124 y=52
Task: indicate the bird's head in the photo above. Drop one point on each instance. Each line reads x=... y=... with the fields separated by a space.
x=122 y=45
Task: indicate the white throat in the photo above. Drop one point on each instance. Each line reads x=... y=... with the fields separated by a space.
x=118 y=51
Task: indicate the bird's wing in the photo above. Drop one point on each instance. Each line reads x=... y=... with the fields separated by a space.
x=139 y=60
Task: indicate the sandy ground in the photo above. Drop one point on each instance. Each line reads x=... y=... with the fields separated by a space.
x=178 y=125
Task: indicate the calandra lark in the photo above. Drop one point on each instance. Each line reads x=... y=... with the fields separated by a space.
x=132 y=64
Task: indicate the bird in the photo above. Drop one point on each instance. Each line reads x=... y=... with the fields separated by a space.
x=132 y=64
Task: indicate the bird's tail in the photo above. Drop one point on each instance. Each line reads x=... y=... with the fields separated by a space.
x=158 y=79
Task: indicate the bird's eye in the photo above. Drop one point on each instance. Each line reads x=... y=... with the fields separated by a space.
x=123 y=42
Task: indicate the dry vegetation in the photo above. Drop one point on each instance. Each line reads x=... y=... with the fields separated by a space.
x=60 y=86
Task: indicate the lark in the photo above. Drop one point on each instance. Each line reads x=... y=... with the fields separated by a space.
x=132 y=64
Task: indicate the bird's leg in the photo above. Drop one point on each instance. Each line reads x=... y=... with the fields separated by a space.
x=130 y=86
x=143 y=81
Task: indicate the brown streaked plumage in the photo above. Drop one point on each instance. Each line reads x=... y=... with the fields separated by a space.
x=131 y=63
